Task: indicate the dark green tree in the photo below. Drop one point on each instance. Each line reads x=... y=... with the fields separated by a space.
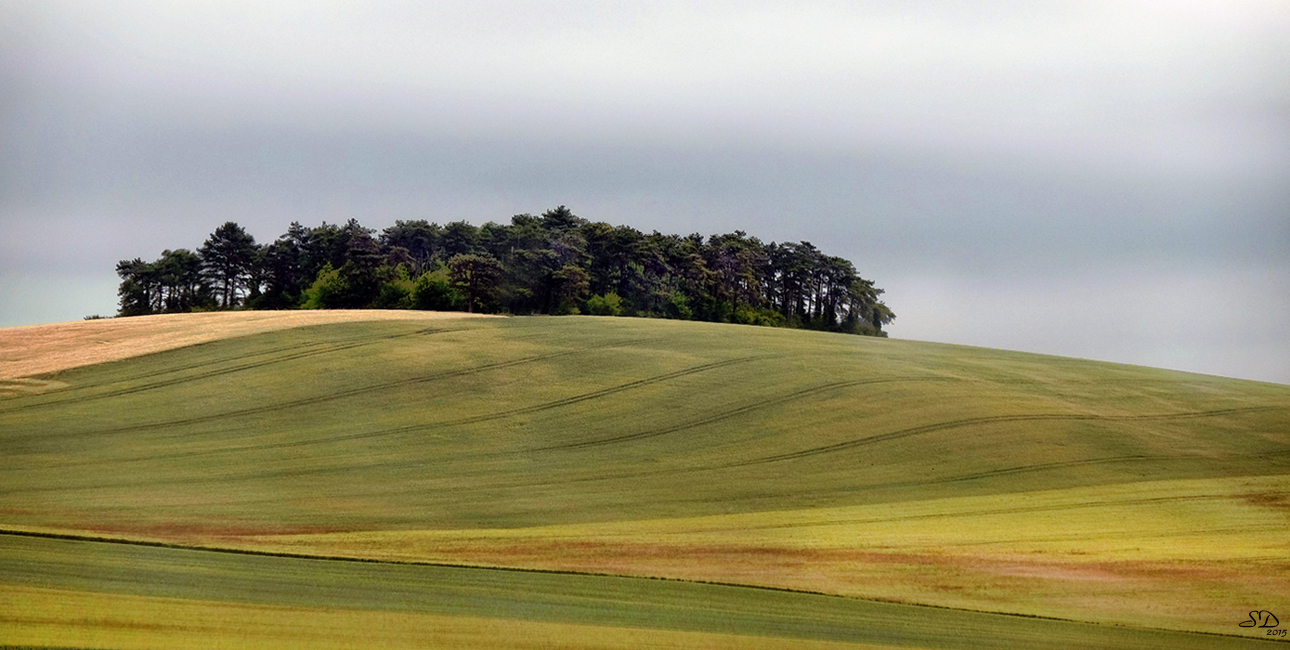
x=433 y=291
x=139 y=285
x=421 y=240
x=228 y=260
x=459 y=238
x=362 y=266
x=561 y=218
x=477 y=276
x=183 y=287
x=285 y=268
x=569 y=287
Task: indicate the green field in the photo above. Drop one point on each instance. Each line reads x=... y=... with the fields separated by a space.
x=869 y=469
x=587 y=607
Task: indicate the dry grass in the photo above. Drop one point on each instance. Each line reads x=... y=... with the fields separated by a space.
x=39 y=349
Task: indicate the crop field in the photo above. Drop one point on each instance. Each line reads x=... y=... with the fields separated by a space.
x=381 y=480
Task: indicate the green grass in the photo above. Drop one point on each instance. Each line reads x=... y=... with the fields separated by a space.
x=407 y=428
x=599 y=601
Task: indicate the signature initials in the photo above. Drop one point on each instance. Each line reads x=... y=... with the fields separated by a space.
x=1261 y=618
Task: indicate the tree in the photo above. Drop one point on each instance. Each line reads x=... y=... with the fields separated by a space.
x=612 y=250
x=569 y=287
x=529 y=262
x=607 y=305
x=173 y=283
x=477 y=276
x=329 y=291
x=420 y=239
x=138 y=286
x=396 y=289
x=285 y=269
x=361 y=267
x=459 y=238
x=319 y=247
x=433 y=291
x=561 y=218
x=183 y=288
x=228 y=259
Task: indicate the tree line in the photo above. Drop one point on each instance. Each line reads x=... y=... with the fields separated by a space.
x=555 y=263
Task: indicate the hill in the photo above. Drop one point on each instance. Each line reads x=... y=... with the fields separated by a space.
x=880 y=469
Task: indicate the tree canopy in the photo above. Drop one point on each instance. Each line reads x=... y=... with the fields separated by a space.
x=555 y=263
x=230 y=260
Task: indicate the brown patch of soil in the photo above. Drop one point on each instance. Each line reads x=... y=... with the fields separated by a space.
x=1274 y=500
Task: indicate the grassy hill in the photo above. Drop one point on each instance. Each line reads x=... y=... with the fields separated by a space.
x=882 y=469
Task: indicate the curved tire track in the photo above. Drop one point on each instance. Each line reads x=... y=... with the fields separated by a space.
x=537 y=408
x=319 y=399
x=717 y=417
x=993 y=419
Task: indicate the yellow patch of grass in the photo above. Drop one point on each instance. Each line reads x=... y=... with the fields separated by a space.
x=28 y=386
x=38 y=617
x=38 y=349
x=1182 y=554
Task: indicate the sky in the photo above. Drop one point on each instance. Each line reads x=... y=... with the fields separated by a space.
x=1106 y=180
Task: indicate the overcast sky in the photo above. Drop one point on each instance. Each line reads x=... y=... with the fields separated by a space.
x=1108 y=180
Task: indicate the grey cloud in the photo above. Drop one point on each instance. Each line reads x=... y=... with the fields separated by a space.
x=920 y=209
x=1223 y=319
x=996 y=145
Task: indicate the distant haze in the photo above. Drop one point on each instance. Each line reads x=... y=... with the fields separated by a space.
x=1107 y=180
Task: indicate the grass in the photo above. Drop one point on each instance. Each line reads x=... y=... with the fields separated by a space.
x=1178 y=554
x=936 y=474
x=133 y=596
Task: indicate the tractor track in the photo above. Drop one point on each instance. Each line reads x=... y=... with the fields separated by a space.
x=319 y=399
x=724 y=415
x=994 y=419
x=537 y=408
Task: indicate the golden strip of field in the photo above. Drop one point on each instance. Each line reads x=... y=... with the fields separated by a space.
x=1181 y=554
x=55 y=617
x=38 y=349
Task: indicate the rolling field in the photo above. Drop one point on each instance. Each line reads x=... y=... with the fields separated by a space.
x=1126 y=501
